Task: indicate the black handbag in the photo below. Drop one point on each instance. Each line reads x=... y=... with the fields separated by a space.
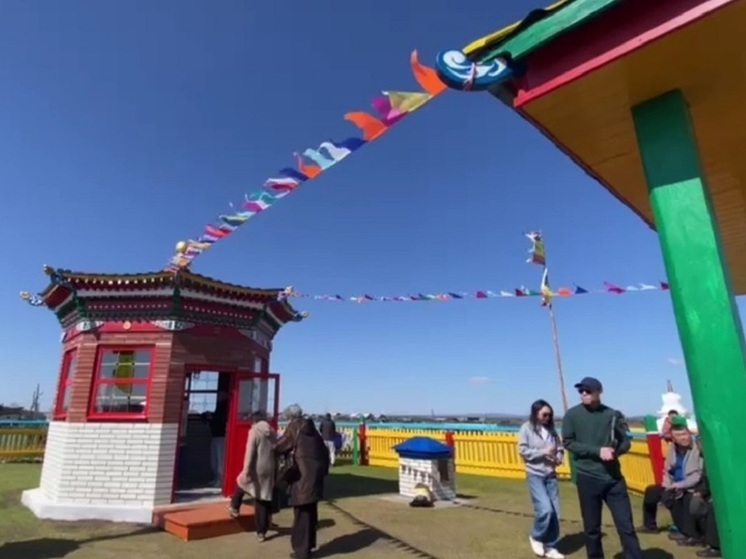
x=289 y=471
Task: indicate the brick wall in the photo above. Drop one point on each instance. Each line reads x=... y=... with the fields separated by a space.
x=109 y=463
x=413 y=471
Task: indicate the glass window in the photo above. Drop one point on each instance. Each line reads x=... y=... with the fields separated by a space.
x=67 y=375
x=122 y=382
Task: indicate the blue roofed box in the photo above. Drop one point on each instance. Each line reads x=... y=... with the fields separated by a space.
x=426 y=461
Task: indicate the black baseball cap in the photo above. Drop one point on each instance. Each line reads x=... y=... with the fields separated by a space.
x=591 y=384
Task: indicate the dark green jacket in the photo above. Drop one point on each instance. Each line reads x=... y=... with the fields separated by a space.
x=586 y=431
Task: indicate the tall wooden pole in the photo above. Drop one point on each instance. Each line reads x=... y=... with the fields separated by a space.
x=558 y=356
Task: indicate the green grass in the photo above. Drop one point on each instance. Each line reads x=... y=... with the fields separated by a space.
x=357 y=523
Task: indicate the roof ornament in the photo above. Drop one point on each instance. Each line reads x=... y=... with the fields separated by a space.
x=33 y=300
x=458 y=72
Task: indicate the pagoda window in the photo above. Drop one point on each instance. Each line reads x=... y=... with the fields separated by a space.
x=64 y=393
x=122 y=383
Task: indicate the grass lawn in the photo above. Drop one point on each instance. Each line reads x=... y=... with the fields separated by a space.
x=357 y=523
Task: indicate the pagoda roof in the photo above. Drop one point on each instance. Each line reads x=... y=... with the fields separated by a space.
x=161 y=295
x=151 y=280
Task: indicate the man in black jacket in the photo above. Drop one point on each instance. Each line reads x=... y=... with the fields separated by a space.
x=329 y=433
x=596 y=435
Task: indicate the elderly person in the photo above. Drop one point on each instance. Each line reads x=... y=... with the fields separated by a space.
x=284 y=448
x=311 y=460
x=257 y=477
x=682 y=472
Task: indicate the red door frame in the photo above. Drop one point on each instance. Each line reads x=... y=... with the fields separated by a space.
x=238 y=428
x=188 y=369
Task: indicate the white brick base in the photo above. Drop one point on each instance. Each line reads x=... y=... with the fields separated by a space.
x=427 y=472
x=107 y=471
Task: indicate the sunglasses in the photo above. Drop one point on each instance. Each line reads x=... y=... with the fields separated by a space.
x=583 y=391
x=545 y=415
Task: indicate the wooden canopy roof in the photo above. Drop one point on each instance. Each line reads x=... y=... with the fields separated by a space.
x=588 y=62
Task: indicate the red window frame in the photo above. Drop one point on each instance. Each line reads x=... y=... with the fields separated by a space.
x=69 y=358
x=98 y=382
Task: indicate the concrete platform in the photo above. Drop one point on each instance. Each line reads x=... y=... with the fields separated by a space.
x=46 y=509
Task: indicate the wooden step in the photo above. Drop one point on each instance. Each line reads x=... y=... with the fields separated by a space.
x=200 y=521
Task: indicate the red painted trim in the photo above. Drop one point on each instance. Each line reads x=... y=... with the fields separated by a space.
x=202 y=330
x=618 y=32
x=64 y=383
x=93 y=415
x=580 y=163
x=657 y=461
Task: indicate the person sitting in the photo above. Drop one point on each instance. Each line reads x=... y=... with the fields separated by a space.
x=703 y=514
x=682 y=472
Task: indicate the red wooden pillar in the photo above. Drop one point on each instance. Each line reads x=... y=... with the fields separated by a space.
x=450 y=441
x=362 y=436
x=655 y=448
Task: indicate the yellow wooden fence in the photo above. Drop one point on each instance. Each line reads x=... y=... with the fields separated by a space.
x=22 y=443
x=496 y=455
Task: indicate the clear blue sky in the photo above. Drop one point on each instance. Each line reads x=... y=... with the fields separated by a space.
x=126 y=126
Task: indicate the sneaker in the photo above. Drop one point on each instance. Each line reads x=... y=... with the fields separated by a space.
x=261 y=537
x=648 y=530
x=233 y=512
x=709 y=552
x=690 y=542
x=536 y=547
x=552 y=553
x=676 y=536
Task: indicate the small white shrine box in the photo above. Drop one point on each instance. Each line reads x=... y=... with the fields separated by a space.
x=423 y=460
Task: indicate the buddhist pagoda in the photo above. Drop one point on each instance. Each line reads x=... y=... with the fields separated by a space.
x=123 y=438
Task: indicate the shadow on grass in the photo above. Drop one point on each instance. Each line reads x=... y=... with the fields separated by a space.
x=363 y=538
x=654 y=553
x=57 y=548
x=340 y=486
x=280 y=532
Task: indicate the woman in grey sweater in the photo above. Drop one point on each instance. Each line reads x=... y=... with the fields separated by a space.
x=541 y=450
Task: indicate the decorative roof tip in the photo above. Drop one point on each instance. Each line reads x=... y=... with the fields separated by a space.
x=669 y=386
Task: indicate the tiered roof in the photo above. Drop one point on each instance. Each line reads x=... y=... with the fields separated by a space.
x=183 y=295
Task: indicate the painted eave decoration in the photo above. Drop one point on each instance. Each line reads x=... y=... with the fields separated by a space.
x=535 y=30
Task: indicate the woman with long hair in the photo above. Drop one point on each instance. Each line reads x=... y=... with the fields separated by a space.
x=541 y=449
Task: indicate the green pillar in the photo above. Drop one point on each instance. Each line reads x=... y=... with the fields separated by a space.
x=706 y=315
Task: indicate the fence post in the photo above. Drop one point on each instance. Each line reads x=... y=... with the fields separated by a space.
x=355 y=448
x=450 y=441
x=655 y=450
x=363 y=439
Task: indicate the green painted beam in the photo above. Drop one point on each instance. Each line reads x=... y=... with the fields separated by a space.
x=535 y=35
x=706 y=314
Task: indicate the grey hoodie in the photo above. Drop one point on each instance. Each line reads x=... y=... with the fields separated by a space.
x=531 y=447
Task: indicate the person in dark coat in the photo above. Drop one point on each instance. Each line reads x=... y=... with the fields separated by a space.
x=284 y=450
x=312 y=460
x=329 y=433
x=703 y=514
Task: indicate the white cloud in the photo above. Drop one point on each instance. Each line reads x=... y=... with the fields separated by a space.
x=675 y=361
x=479 y=380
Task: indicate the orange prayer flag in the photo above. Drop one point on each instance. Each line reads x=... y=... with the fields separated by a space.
x=426 y=77
x=310 y=171
x=370 y=125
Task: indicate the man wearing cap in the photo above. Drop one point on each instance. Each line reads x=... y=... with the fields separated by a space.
x=596 y=435
x=682 y=472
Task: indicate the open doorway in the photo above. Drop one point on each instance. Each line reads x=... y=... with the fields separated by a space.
x=202 y=435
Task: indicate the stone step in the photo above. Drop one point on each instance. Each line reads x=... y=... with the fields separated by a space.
x=201 y=521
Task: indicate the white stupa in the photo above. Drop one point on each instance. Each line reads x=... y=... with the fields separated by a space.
x=674 y=401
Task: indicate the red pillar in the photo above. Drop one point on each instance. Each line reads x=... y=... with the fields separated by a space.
x=362 y=436
x=655 y=449
x=450 y=441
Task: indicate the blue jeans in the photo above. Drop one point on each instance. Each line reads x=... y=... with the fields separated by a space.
x=545 y=499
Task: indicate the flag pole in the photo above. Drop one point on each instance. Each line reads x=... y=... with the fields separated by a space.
x=538 y=256
x=558 y=356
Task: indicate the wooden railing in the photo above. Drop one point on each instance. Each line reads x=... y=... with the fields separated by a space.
x=22 y=443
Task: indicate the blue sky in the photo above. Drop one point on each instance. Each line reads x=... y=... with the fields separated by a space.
x=128 y=125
